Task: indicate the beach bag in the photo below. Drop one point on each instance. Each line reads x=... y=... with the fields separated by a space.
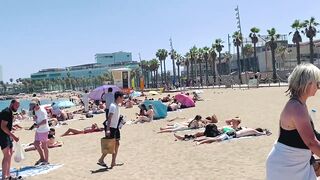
x=211 y=130
x=108 y=145
x=18 y=153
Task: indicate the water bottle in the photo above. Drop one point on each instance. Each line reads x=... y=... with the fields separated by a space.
x=313 y=113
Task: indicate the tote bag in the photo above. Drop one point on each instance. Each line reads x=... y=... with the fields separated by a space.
x=108 y=145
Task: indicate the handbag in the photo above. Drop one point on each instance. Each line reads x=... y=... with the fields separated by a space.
x=18 y=153
x=108 y=146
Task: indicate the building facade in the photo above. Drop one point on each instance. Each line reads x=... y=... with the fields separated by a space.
x=113 y=58
x=104 y=63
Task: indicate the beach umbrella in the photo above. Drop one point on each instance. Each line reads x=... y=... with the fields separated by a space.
x=153 y=92
x=185 y=100
x=64 y=104
x=160 y=109
x=97 y=93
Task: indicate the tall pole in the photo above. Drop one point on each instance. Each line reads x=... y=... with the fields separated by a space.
x=173 y=64
x=239 y=28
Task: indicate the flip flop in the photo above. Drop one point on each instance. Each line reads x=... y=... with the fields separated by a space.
x=102 y=164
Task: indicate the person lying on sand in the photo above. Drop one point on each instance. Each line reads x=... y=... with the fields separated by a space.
x=94 y=128
x=166 y=98
x=148 y=117
x=196 y=123
x=52 y=143
x=236 y=134
x=212 y=130
x=173 y=106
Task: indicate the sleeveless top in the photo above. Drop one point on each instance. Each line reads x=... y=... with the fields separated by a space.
x=292 y=137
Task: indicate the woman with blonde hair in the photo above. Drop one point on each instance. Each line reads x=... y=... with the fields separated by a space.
x=291 y=154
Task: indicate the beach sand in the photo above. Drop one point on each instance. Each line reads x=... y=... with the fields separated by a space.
x=148 y=155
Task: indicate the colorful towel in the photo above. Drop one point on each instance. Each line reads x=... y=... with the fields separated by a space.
x=33 y=170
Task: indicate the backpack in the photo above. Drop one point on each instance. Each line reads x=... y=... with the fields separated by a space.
x=211 y=131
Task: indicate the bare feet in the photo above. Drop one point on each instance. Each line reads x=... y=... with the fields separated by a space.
x=178 y=137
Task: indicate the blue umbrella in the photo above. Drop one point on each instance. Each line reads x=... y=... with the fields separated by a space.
x=97 y=93
x=64 y=104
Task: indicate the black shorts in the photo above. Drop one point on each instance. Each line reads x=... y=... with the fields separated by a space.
x=114 y=133
x=5 y=141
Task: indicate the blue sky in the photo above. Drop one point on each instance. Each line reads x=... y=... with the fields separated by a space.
x=37 y=34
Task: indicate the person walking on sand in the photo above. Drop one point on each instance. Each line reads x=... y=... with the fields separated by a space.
x=108 y=98
x=112 y=127
x=85 y=100
x=6 y=136
x=41 y=135
x=290 y=157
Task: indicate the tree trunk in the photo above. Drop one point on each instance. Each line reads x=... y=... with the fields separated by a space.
x=298 y=53
x=192 y=76
x=238 y=63
x=274 y=73
x=161 y=72
x=188 y=77
x=311 y=50
x=214 y=71
x=200 y=68
x=165 y=71
x=179 y=75
x=256 y=64
x=174 y=72
x=206 y=72
x=219 y=69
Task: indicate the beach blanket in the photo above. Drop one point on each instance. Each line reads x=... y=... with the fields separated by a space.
x=160 y=109
x=289 y=163
x=33 y=170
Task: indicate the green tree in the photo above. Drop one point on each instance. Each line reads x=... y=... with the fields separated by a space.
x=237 y=40
x=310 y=32
x=206 y=53
x=218 y=46
x=193 y=57
x=248 y=51
x=162 y=55
x=254 y=39
x=213 y=57
x=273 y=36
x=178 y=63
x=297 y=25
x=186 y=62
x=154 y=66
x=200 y=60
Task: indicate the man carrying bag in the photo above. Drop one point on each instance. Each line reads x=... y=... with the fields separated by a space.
x=110 y=144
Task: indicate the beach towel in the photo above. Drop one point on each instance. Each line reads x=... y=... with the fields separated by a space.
x=289 y=163
x=160 y=109
x=33 y=170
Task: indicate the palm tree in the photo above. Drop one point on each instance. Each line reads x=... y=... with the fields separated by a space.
x=154 y=66
x=310 y=32
x=199 y=60
x=173 y=55
x=237 y=40
x=248 y=51
x=297 y=25
x=273 y=36
x=162 y=54
x=186 y=62
x=178 y=63
x=218 y=46
x=213 y=57
x=206 y=52
x=281 y=51
x=227 y=56
x=254 y=39
x=193 y=56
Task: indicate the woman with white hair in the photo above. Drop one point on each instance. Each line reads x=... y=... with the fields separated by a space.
x=291 y=154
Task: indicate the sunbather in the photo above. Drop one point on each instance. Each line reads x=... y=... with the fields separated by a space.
x=196 y=123
x=148 y=117
x=94 y=128
x=236 y=134
x=52 y=143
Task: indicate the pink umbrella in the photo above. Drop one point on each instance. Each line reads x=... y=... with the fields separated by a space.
x=185 y=100
x=97 y=93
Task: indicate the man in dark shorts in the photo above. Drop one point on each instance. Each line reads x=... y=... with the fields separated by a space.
x=6 y=136
x=112 y=127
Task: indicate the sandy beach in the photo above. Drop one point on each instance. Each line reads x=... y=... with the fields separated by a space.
x=148 y=155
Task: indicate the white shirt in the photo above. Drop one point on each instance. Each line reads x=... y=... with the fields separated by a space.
x=115 y=110
x=42 y=115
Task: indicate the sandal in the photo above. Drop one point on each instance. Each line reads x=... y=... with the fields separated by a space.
x=102 y=164
x=38 y=162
